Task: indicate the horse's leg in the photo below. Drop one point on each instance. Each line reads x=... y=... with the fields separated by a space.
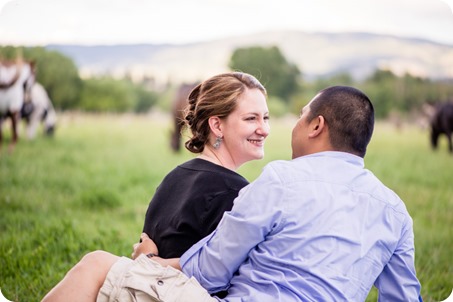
x=450 y=144
x=32 y=124
x=434 y=138
x=174 y=136
x=179 y=126
x=178 y=123
x=1 y=133
x=14 y=127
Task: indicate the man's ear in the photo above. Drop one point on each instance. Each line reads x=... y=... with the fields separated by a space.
x=317 y=126
x=215 y=123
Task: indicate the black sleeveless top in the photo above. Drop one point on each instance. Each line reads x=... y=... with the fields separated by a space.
x=188 y=205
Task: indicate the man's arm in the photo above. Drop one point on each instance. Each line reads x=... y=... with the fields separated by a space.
x=257 y=211
x=398 y=280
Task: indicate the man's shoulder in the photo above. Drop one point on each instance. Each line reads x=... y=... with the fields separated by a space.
x=283 y=170
x=276 y=166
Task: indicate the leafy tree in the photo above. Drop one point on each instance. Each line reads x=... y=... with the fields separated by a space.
x=144 y=99
x=269 y=66
x=413 y=91
x=403 y=93
x=9 y=53
x=60 y=76
x=106 y=94
x=337 y=79
x=381 y=88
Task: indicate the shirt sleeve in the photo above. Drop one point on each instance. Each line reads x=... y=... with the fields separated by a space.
x=398 y=281
x=255 y=214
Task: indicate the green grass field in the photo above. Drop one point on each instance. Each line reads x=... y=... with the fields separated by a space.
x=88 y=188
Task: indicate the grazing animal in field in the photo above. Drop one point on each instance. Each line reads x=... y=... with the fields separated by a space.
x=38 y=108
x=16 y=79
x=442 y=123
x=179 y=104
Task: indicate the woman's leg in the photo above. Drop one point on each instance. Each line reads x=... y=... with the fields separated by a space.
x=83 y=281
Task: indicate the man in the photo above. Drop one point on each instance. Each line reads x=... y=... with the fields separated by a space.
x=317 y=228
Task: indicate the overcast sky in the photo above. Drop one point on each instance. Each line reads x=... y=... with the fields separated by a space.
x=40 y=22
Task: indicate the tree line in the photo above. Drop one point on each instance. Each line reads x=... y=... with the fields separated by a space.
x=68 y=91
x=287 y=89
x=388 y=91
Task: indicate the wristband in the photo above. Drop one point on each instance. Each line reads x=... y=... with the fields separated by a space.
x=151 y=255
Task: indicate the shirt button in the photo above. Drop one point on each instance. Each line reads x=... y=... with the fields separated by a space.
x=160 y=282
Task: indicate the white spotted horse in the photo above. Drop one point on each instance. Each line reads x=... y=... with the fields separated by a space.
x=38 y=109
x=16 y=80
x=179 y=104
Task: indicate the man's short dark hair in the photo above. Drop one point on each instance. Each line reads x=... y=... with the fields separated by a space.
x=349 y=115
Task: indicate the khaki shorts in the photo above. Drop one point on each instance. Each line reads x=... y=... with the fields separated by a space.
x=143 y=279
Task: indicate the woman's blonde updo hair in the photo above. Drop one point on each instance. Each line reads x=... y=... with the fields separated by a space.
x=216 y=96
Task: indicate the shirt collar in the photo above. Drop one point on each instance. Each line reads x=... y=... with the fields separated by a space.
x=348 y=157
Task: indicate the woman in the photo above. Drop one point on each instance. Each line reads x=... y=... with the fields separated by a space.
x=228 y=117
x=226 y=133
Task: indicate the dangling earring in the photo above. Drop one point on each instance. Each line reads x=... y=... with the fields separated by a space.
x=218 y=140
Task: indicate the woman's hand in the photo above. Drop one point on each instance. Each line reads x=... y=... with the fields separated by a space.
x=146 y=246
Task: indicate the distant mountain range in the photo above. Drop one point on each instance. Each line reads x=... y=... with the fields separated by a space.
x=316 y=54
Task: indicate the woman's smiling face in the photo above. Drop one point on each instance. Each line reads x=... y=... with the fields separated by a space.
x=246 y=128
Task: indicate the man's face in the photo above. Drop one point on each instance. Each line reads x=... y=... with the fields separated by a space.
x=299 y=139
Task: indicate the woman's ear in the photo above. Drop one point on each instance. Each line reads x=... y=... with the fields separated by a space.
x=215 y=123
x=317 y=126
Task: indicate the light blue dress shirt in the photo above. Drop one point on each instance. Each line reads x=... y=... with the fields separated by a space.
x=317 y=228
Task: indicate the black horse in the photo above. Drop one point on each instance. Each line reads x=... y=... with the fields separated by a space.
x=442 y=123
